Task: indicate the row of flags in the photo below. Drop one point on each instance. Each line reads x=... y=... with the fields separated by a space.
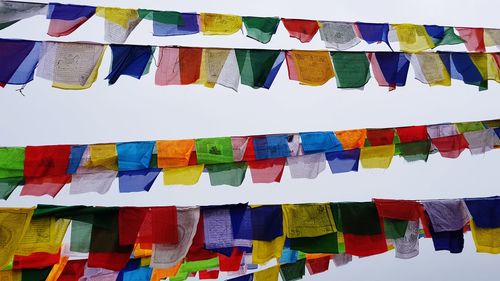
x=45 y=170
x=119 y=23
x=247 y=242
x=75 y=65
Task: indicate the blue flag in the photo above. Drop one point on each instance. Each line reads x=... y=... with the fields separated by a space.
x=129 y=60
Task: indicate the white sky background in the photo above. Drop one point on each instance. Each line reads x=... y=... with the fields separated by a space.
x=138 y=110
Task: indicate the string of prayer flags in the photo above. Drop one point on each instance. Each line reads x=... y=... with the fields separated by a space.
x=303 y=30
x=19 y=59
x=338 y=35
x=261 y=29
x=66 y=18
x=14 y=11
x=219 y=24
x=119 y=23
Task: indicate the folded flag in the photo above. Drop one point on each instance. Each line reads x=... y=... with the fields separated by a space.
x=372 y=32
x=430 y=69
x=313 y=68
x=219 y=24
x=413 y=38
x=66 y=18
x=168 y=23
x=119 y=23
x=303 y=30
x=352 y=69
x=443 y=35
x=134 y=155
x=136 y=181
x=13 y=11
x=261 y=29
x=70 y=66
x=338 y=35
x=129 y=60
x=178 y=66
x=473 y=37
x=390 y=69
x=19 y=59
x=256 y=66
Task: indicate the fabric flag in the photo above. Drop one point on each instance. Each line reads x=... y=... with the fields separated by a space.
x=451 y=146
x=315 y=142
x=351 y=139
x=474 y=38
x=390 y=69
x=13 y=11
x=92 y=180
x=231 y=174
x=70 y=66
x=293 y=271
x=412 y=133
x=75 y=158
x=488 y=66
x=163 y=17
x=414 y=151
x=481 y=141
x=443 y=35
x=442 y=130
x=188 y=175
x=19 y=58
x=102 y=155
x=270 y=274
x=352 y=69
x=174 y=153
x=239 y=147
x=136 y=181
x=308 y=220
x=430 y=69
x=45 y=169
x=261 y=29
x=303 y=30
x=256 y=66
x=214 y=62
x=329 y=243
x=14 y=224
x=491 y=37
x=447 y=215
x=119 y=23
x=241 y=220
x=80 y=236
x=267 y=171
x=372 y=32
x=12 y=162
x=307 y=166
x=8 y=185
x=264 y=251
x=313 y=68
x=219 y=24
x=465 y=127
x=318 y=265
x=338 y=35
x=342 y=259
x=178 y=66
x=197 y=251
x=218 y=231
x=486 y=239
x=413 y=38
x=168 y=255
x=214 y=150
x=134 y=155
x=407 y=247
x=129 y=60
x=380 y=136
x=168 y=24
x=408 y=210
x=343 y=161
x=463 y=68
x=452 y=241
x=267 y=222
x=229 y=75
x=273 y=146
x=485 y=211
x=66 y=18
x=44 y=235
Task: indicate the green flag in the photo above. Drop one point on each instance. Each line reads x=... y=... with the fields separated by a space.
x=394 y=229
x=450 y=38
x=214 y=150
x=8 y=185
x=352 y=69
x=35 y=274
x=469 y=127
x=231 y=174
x=414 y=151
x=80 y=236
x=360 y=218
x=164 y=17
x=293 y=271
x=255 y=66
x=260 y=28
x=325 y=244
x=11 y=162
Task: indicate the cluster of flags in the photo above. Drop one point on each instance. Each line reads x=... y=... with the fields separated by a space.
x=75 y=66
x=45 y=170
x=119 y=23
x=247 y=242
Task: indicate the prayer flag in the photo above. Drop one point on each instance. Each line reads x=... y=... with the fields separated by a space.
x=338 y=35
x=307 y=166
x=214 y=150
x=129 y=60
x=463 y=68
x=313 y=68
x=103 y=155
x=66 y=18
x=77 y=153
x=442 y=130
x=390 y=69
x=263 y=251
x=267 y=147
x=474 y=38
x=267 y=222
x=12 y=162
x=414 y=151
x=315 y=142
x=174 y=153
x=178 y=66
x=13 y=223
x=19 y=58
x=303 y=30
x=443 y=35
x=318 y=265
x=412 y=133
x=372 y=32
x=13 y=11
x=413 y=38
x=256 y=66
x=219 y=24
x=380 y=136
x=308 y=220
x=447 y=214
x=430 y=69
x=486 y=239
x=343 y=161
x=231 y=174
x=119 y=23
x=484 y=211
x=352 y=69
x=270 y=274
x=491 y=37
x=188 y=175
x=481 y=141
x=267 y=171
x=465 y=127
x=451 y=146
x=377 y=156
x=261 y=29
x=293 y=271
x=44 y=235
x=218 y=229
x=408 y=210
x=134 y=155
x=351 y=139
x=136 y=181
x=188 y=24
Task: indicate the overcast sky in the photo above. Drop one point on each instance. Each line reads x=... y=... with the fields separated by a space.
x=138 y=110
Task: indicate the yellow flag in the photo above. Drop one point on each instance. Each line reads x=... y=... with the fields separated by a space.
x=13 y=225
x=430 y=69
x=270 y=274
x=219 y=24
x=314 y=68
x=188 y=175
x=103 y=155
x=308 y=220
x=487 y=240
x=487 y=65
x=10 y=275
x=491 y=37
x=413 y=38
x=377 y=156
x=116 y=15
x=43 y=235
x=141 y=253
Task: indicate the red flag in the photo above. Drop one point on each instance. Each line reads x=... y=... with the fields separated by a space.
x=451 y=146
x=398 y=209
x=412 y=134
x=315 y=266
x=474 y=38
x=73 y=270
x=189 y=64
x=130 y=220
x=304 y=30
x=231 y=263
x=380 y=136
x=267 y=171
x=197 y=252
x=212 y=274
x=36 y=260
x=112 y=261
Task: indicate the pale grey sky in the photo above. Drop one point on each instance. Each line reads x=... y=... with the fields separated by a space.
x=138 y=110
